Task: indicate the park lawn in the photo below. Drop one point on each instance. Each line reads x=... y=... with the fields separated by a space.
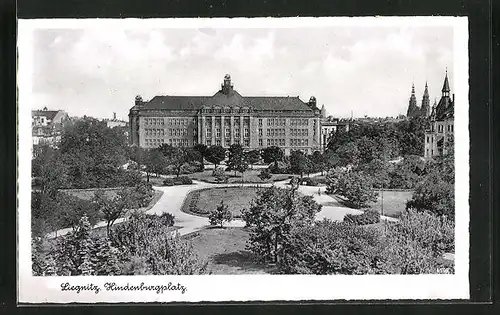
x=225 y=251
x=250 y=176
x=88 y=194
x=394 y=202
x=236 y=198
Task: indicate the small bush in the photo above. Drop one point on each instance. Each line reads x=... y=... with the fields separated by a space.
x=310 y=181
x=181 y=180
x=367 y=217
x=168 y=182
x=167 y=219
x=220 y=215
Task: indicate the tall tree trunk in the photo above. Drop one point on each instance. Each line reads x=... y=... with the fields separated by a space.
x=276 y=248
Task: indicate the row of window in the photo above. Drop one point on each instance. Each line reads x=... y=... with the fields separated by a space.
x=299 y=142
x=274 y=122
x=227 y=134
x=299 y=122
x=176 y=132
x=449 y=128
x=154 y=142
x=227 y=142
x=178 y=142
x=169 y=121
x=298 y=132
x=226 y=110
x=155 y=132
x=275 y=132
x=274 y=142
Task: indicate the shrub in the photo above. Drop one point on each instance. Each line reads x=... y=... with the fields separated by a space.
x=220 y=215
x=181 y=180
x=329 y=247
x=367 y=217
x=310 y=181
x=279 y=168
x=220 y=175
x=151 y=248
x=168 y=182
x=356 y=187
x=167 y=219
x=415 y=244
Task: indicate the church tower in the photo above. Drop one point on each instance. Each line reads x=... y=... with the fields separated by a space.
x=412 y=106
x=426 y=108
x=323 y=111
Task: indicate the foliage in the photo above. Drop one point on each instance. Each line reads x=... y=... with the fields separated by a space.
x=38 y=262
x=178 y=157
x=215 y=154
x=272 y=154
x=155 y=162
x=237 y=160
x=77 y=253
x=220 y=215
x=328 y=247
x=50 y=213
x=271 y=217
x=367 y=217
x=113 y=208
x=378 y=170
x=150 y=247
x=220 y=175
x=300 y=163
x=181 y=180
x=310 y=181
x=202 y=149
x=279 y=167
x=436 y=192
x=265 y=174
x=356 y=187
x=415 y=244
x=332 y=179
x=253 y=157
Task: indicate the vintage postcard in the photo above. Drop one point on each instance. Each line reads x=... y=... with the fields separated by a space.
x=245 y=159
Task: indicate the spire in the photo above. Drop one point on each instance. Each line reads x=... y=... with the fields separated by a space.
x=446 y=85
x=413 y=109
x=426 y=90
x=426 y=109
x=413 y=89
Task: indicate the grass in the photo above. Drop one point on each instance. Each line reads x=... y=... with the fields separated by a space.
x=225 y=251
x=88 y=194
x=236 y=198
x=250 y=176
x=394 y=202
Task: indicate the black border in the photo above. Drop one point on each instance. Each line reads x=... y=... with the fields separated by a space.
x=481 y=119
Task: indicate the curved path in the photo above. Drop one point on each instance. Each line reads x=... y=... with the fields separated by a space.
x=173 y=197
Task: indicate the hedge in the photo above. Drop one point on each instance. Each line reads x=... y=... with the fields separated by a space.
x=181 y=180
x=367 y=217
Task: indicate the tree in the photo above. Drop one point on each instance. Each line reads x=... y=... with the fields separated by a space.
x=220 y=215
x=319 y=161
x=112 y=208
x=272 y=154
x=155 y=162
x=265 y=174
x=357 y=188
x=253 y=157
x=348 y=154
x=272 y=215
x=202 y=149
x=300 y=163
x=237 y=160
x=215 y=154
x=150 y=247
x=178 y=156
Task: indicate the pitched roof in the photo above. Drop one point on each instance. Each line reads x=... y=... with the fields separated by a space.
x=277 y=103
x=445 y=108
x=176 y=102
x=49 y=114
x=446 y=84
x=233 y=98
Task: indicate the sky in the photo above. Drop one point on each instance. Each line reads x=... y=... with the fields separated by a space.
x=359 y=70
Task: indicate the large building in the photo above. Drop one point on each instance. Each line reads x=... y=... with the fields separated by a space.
x=440 y=133
x=226 y=118
x=47 y=125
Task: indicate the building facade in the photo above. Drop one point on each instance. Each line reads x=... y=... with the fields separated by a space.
x=226 y=118
x=47 y=125
x=441 y=132
x=331 y=125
